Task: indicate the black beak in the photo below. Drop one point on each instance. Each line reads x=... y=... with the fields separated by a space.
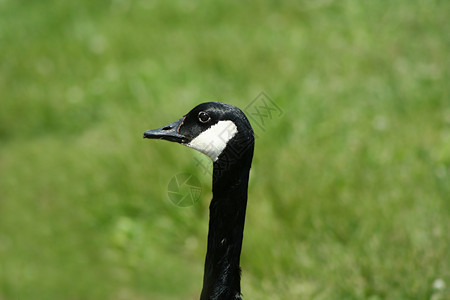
x=168 y=133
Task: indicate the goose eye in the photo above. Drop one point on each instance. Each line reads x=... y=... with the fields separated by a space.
x=203 y=117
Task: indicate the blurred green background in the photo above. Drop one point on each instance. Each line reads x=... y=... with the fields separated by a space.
x=349 y=190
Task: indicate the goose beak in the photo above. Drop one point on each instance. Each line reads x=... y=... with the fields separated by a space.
x=168 y=133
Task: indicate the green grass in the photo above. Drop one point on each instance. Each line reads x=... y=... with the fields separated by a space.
x=349 y=191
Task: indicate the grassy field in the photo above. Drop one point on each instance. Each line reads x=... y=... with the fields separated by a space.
x=349 y=193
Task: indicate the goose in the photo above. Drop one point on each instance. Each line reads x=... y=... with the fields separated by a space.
x=223 y=133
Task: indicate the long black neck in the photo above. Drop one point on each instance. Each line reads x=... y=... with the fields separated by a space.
x=222 y=276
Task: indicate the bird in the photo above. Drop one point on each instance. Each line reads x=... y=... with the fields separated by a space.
x=223 y=133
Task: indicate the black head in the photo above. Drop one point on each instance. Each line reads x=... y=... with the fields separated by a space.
x=212 y=128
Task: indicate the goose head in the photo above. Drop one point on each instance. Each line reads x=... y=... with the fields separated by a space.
x=213 y=128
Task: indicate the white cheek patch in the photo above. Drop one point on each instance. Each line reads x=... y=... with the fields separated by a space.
x=212 y=141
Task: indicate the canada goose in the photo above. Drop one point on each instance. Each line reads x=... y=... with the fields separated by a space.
x=222 y=132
